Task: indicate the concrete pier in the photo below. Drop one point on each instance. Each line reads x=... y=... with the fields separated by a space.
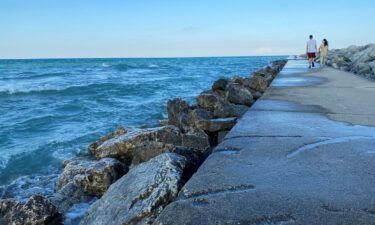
x=303 y=154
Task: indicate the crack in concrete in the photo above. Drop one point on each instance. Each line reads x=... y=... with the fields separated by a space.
x=264 y=220
x=331 y=209
x=209 y=192
x=330 y=141
x=228 y=150
x=263 y=136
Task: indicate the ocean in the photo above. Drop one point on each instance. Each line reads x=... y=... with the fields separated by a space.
x=51 y=109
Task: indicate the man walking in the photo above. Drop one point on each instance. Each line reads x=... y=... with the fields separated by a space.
x=311 y=50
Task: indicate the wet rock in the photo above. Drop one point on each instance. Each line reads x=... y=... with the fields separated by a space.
x=94 y=177
x=140 y=195
x=220 y=84
x=37 y=210
x=163 y=122
x=215 y=125
x=210 y=100
x=239 y=94
x=178 y=110
x=69 y=195
x=258 y=83
x=116 y=133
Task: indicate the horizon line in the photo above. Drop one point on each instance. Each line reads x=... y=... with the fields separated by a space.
x=146 y=57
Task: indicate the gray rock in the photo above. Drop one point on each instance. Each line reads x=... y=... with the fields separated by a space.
x=38 y=210
x=372 y=65
x=230 y=110
x=361 y=68
x=116 y=133
x=178 y=110
x=205 y=121
x=140 y=195
x=366 y=55
x=209 y=100
x=239 y=94
x=258 y=83
x=69 y=195
x=199 y=114
x=197 y=140
x=215 y=125
x=142 y=145
x=94 y=177
x=220 y=84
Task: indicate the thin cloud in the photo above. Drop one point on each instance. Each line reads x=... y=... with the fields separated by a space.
x=188 y=29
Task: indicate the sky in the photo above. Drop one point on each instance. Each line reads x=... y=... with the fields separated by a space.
x=166 y=28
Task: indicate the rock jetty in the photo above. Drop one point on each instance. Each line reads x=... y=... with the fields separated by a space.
x=135 y=174
x=356 y=59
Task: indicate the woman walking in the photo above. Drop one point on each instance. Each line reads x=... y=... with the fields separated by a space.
x=323 y=51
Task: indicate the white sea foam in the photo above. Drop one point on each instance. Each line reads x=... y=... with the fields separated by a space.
x=23 y=187
x=106 y=65
x=75 y=214
x=153 y=66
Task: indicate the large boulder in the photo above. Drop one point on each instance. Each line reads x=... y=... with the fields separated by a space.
x=94 y=177
x=220 y=84
x=204 y=120
x=140 y=195
x=239 y=94
x=132 y=145
x=37 y=210
x=215 y=125
x=116 y=133
x=365 y=56
x=199 y=114
x=69 y=195
x=230 y=110
x=178 y=110
x=139 y=146
x=209 y=100
x=196 y=140
x=258 y=83
x=361 y=68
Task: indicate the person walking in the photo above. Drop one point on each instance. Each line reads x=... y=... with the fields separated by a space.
x=311 y=50
x=323 y=52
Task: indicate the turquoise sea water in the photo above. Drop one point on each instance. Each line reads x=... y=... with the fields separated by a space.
x=52 y=109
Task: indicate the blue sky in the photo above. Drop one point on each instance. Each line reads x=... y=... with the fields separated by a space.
x=166 y=28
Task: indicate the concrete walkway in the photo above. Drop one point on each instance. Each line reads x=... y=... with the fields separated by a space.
x=303 y=154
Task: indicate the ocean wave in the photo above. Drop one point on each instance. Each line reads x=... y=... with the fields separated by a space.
x=106 y=65
x=23 y=187
x=153 y=66
x=77 y=211
x=12 y=89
